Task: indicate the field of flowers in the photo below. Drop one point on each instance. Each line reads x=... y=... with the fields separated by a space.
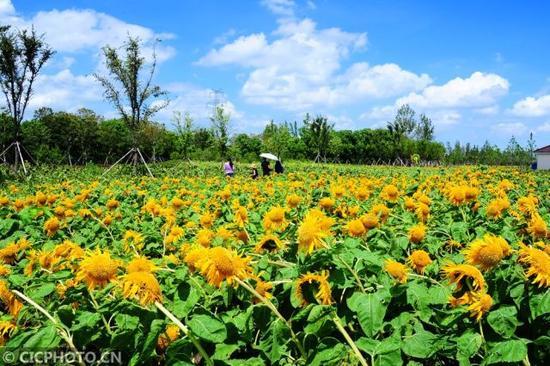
x=325 y=265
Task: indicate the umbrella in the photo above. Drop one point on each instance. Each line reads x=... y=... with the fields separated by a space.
x=269 y=156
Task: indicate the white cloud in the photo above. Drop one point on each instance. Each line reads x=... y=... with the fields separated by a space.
x=532 y=107
x=75 y=30
x=479 y=90
x=545 y=127
x=301 y=68
x=284 y=8
x=64 y=90
x=6 y=7
x=510 y=128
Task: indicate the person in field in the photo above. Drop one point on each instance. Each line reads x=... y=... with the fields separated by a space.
x=279 y=169
x=266 y=170
x=253 y=171
x=228 y=168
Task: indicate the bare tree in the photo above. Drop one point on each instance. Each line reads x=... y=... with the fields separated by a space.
x=22 y=55
x=132 y=94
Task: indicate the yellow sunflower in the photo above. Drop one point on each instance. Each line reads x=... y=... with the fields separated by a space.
x=194 y=256
x=397 y=270
x=389 y=193
x=417 y=233
x=269 y=243
x=356 y=228
x=479 y=305
x=9 y=300
x=6 y=330
x=537 y=227
x=538 y=262
x=487 y=252
x=464 y=274
x=142 y=286
x=419 y=260
x=305 y=292
x=274 y=219
x=223 y=264
x=52 y=225
x=140 y=264
x=97 y=269
x=313 y=230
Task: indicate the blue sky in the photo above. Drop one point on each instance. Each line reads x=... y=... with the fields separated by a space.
x=479 y=69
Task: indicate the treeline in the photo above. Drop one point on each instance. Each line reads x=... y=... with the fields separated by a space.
x=84 y=136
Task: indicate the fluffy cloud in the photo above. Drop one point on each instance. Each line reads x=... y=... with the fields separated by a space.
x=545 y=127
x=510 y=129
x=479 y=90
x=75 y=30
x=301 y=68
x=284 y=8
x=64 y=90
x=532 y=107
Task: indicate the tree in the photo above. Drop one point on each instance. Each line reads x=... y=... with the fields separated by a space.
x=402 y=126
x=424 y=130
x=317 y=132
x=184 y=130
x=220 y=126
x=132 y=94
x=276 y=139
x=22 y=56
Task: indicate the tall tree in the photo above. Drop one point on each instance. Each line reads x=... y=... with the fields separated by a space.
x=402 y=127
x=276 y=138
x=319 y=131
x=22 y=56
x=220 y=126
x=128 y=85
x=184 y=129
x=424 y=130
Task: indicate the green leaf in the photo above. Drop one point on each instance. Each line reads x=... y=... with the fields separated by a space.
x=329 y=352
x=467 y=345
x=509 y=351
x=420 y=345
x=540 y=304
x=208 y=328
x=370 y=309
x=224 y=351
x=317 y=318
x=274 y=344
x=46 y=338
x=42 y=291
x=503 y=320
x=185 y=299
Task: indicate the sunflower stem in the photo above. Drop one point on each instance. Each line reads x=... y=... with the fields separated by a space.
x=350 y=341
x=96 y=308
x=185 y=331
x=272 y=307
x=357 y=279
x=63 y=332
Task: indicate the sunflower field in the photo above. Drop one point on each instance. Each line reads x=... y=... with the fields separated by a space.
x=325 y=265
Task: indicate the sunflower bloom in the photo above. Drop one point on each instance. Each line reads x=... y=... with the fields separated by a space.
x=274 y=219
x=263 y=289
x=369 y=220
x=487 y=252
x=537 y=227
x=140 y=264
x=52 y=225
x=481 y=303
x=461 y=274
x=223 y=264
x=6 y=330
x=241 y=216
x=313 y=230
x=293 y=200
x=397 y=270
x=389 y=193
x=9 y=300
x=538 y=262
x=133 y=239
x=269 y=243
x=381 y=211
x=194 y=256
x=419 y=260
x=320 y=281
x=417 y=233
x=205 y=237
x=356 y=228
x=142 y=286
x=171 y=334
x=97 y=269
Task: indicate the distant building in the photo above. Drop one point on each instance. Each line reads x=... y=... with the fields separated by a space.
x=543 y=158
